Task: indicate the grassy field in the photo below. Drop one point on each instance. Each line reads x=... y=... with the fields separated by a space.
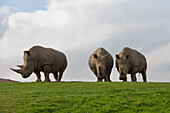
x=85 y=97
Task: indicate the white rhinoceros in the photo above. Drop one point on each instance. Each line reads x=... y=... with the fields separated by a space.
x=101 y=63
x=47 y=60
x=130 y=61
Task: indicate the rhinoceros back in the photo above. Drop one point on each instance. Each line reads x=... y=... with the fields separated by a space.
x=47 y=56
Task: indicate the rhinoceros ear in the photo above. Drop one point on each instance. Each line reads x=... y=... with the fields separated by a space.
x=117 y=56
x=27 y=52
x=127 y=56
x=95 y=56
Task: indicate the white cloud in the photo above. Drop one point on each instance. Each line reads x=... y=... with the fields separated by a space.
x=159 y=63
x=78 y=27
x=4 y=12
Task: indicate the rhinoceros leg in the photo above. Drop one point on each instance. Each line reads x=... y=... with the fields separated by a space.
x=133 y=77
x=99 y=79
x=133 y=74
x=107 y=78
x=38 y=76
x=46 y=70
x=144 y=75
x=125 y=80
x=55 y=75
x=95 y=72
x=61 y=71
x=47 y=77
x=60 y=76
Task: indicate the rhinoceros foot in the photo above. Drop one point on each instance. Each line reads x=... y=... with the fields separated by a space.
x=47 y=80
x=38 y=80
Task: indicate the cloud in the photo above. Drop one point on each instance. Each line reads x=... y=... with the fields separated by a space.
x=159 y=63
x=4 y=12
x=79 y=27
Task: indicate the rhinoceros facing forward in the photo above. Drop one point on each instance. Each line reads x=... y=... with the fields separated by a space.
x=47 y=60
x=101 y=63
x=130 y=61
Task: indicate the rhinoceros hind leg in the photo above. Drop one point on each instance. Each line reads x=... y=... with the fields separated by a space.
x=107 y=78
x=38 y=76
x=61 y=71
x=144 y=75
x=59 y=76
x=55 y=75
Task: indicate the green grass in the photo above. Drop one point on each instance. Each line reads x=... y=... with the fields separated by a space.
x=85 y=97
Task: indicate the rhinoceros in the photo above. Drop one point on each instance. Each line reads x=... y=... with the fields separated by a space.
x=101 y=63
x=43 y=59
x=130 y=61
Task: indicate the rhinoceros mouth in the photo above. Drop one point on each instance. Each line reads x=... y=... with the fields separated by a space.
x=26 y=75
x=122 y=78
x=101 y=76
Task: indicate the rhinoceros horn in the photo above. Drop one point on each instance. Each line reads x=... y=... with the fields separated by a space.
x=16 y=70
x=20 y=66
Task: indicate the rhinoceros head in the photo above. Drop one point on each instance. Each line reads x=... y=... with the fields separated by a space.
x=101 y=65
x=28 y=67
x=123 y=66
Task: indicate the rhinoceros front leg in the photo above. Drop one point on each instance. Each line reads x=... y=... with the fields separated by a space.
x=99 y=79
x=38 y=76
x=107 y=79
x=133 y=77
x=125 y=80
x=133 y=74
x=46 y=70
x=95 y=72
x=47 y=77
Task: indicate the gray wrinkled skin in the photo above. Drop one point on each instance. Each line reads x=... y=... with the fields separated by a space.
x=39 y=59
x=101 y=63
x=130 y=61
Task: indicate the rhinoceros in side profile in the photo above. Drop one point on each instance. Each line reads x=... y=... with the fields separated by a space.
x=47 y=60
x=130 y=61
x=101 y=63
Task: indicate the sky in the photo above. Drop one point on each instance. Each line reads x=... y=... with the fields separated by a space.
x=79 y=27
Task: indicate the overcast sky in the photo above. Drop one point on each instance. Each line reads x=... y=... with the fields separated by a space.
x=79 y=27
